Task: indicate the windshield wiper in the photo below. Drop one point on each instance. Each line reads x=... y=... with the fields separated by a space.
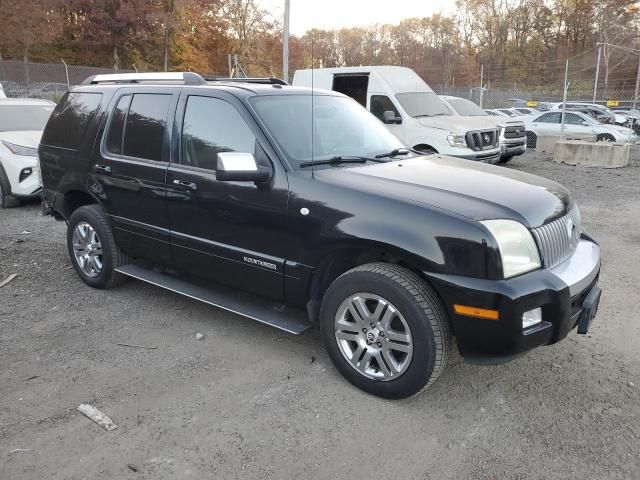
x=399 y=151
x=340 y=159
x=431 y=115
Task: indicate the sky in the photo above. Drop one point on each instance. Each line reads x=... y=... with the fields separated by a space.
x=331 y=14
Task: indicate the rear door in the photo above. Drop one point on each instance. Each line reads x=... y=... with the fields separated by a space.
x=131 y=166
x=577 y=127
x=232 y=232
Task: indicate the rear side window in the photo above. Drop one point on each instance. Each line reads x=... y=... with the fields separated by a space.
x=69 y=121
x=145 y=126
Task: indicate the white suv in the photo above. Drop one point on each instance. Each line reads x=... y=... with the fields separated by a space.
x=410 y=109
x=21 y=124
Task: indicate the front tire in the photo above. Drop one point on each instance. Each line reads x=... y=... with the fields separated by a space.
x=6 y=199
x=92 y=248
x=505 y=159
x=605 y=137
x=385 y=330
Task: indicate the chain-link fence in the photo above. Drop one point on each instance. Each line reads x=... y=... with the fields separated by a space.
x=44 y=80
x=498 y=97
x=51 y=80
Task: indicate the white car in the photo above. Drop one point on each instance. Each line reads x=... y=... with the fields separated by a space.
x=2 y=94
x=410 y=109
x=525 y=111
x=593 y=109
x=576 y=125
x=21 y=124
x=498 y=112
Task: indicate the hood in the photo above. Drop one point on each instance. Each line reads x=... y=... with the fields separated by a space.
x=24 y=139
x=457 y=124
x=475 y=190
x=503 y=121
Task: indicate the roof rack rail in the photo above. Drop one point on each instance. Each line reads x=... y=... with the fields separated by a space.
x=263 y=80
x=188 y=78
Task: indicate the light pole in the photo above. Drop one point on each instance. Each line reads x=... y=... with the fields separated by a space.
x=285 y=43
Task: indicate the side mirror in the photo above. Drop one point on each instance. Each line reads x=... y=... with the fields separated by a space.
x=240 y=167
x=389 y=118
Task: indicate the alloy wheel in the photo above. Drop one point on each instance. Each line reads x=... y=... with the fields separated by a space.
x=373 y=336
x=87 y=249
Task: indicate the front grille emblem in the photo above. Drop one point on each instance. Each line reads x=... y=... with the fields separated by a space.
x=487 y=138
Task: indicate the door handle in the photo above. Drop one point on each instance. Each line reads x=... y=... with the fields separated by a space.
x=182 y=183
x=103 y=169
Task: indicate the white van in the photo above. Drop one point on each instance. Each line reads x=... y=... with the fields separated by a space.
x=410 y=109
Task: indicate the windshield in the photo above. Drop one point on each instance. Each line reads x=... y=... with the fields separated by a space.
x=341 y=127
x=422 y=104
x=18 y=118
x=465 y=107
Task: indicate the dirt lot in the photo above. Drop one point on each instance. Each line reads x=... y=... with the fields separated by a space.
x=248 y=401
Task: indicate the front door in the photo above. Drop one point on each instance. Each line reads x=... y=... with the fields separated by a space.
x=231 y=232
x=130 y=168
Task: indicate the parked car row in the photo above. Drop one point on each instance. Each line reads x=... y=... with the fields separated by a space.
x=295 y=206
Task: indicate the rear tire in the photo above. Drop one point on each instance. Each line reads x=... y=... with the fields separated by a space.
x=92 y=248
x=402 y=318
x=6 y=199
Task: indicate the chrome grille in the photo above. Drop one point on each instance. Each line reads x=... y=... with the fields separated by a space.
x=558 y=240
x=483 y=140
x=514 y=132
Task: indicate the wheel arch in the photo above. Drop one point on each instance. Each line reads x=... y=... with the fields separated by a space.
x=347 y=256
x=74 y=199
x=424 y=146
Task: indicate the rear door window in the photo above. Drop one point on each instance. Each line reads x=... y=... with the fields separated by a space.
x=70 y=120
x=145 y=126
x=116 y=127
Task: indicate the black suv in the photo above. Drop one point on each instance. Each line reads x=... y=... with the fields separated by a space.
x=295 y=207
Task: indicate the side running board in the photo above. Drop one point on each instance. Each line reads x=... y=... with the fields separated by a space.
x=257 y=308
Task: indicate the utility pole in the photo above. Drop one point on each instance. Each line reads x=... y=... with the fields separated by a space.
x=637 y=91
x=481 y=87
x=564 y=96
x=285 y=42
x=595 y=82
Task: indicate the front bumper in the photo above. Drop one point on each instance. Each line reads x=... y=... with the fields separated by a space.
x=559 y=292
x=484 y=157
x=513 y=149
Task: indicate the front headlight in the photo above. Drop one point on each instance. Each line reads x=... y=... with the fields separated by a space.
x=20 y=150
x=456 y=140
x=517 y=247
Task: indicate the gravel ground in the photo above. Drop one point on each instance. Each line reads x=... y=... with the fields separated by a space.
x=248 y=401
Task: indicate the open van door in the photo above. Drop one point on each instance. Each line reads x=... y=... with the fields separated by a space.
x=354 y=85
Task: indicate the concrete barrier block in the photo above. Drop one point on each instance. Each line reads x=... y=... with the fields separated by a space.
x=547 y=143
x=591 y=154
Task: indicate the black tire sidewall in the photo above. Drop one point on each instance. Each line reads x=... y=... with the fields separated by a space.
x=5 y=199
x=423 y=359
x=94 y=216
